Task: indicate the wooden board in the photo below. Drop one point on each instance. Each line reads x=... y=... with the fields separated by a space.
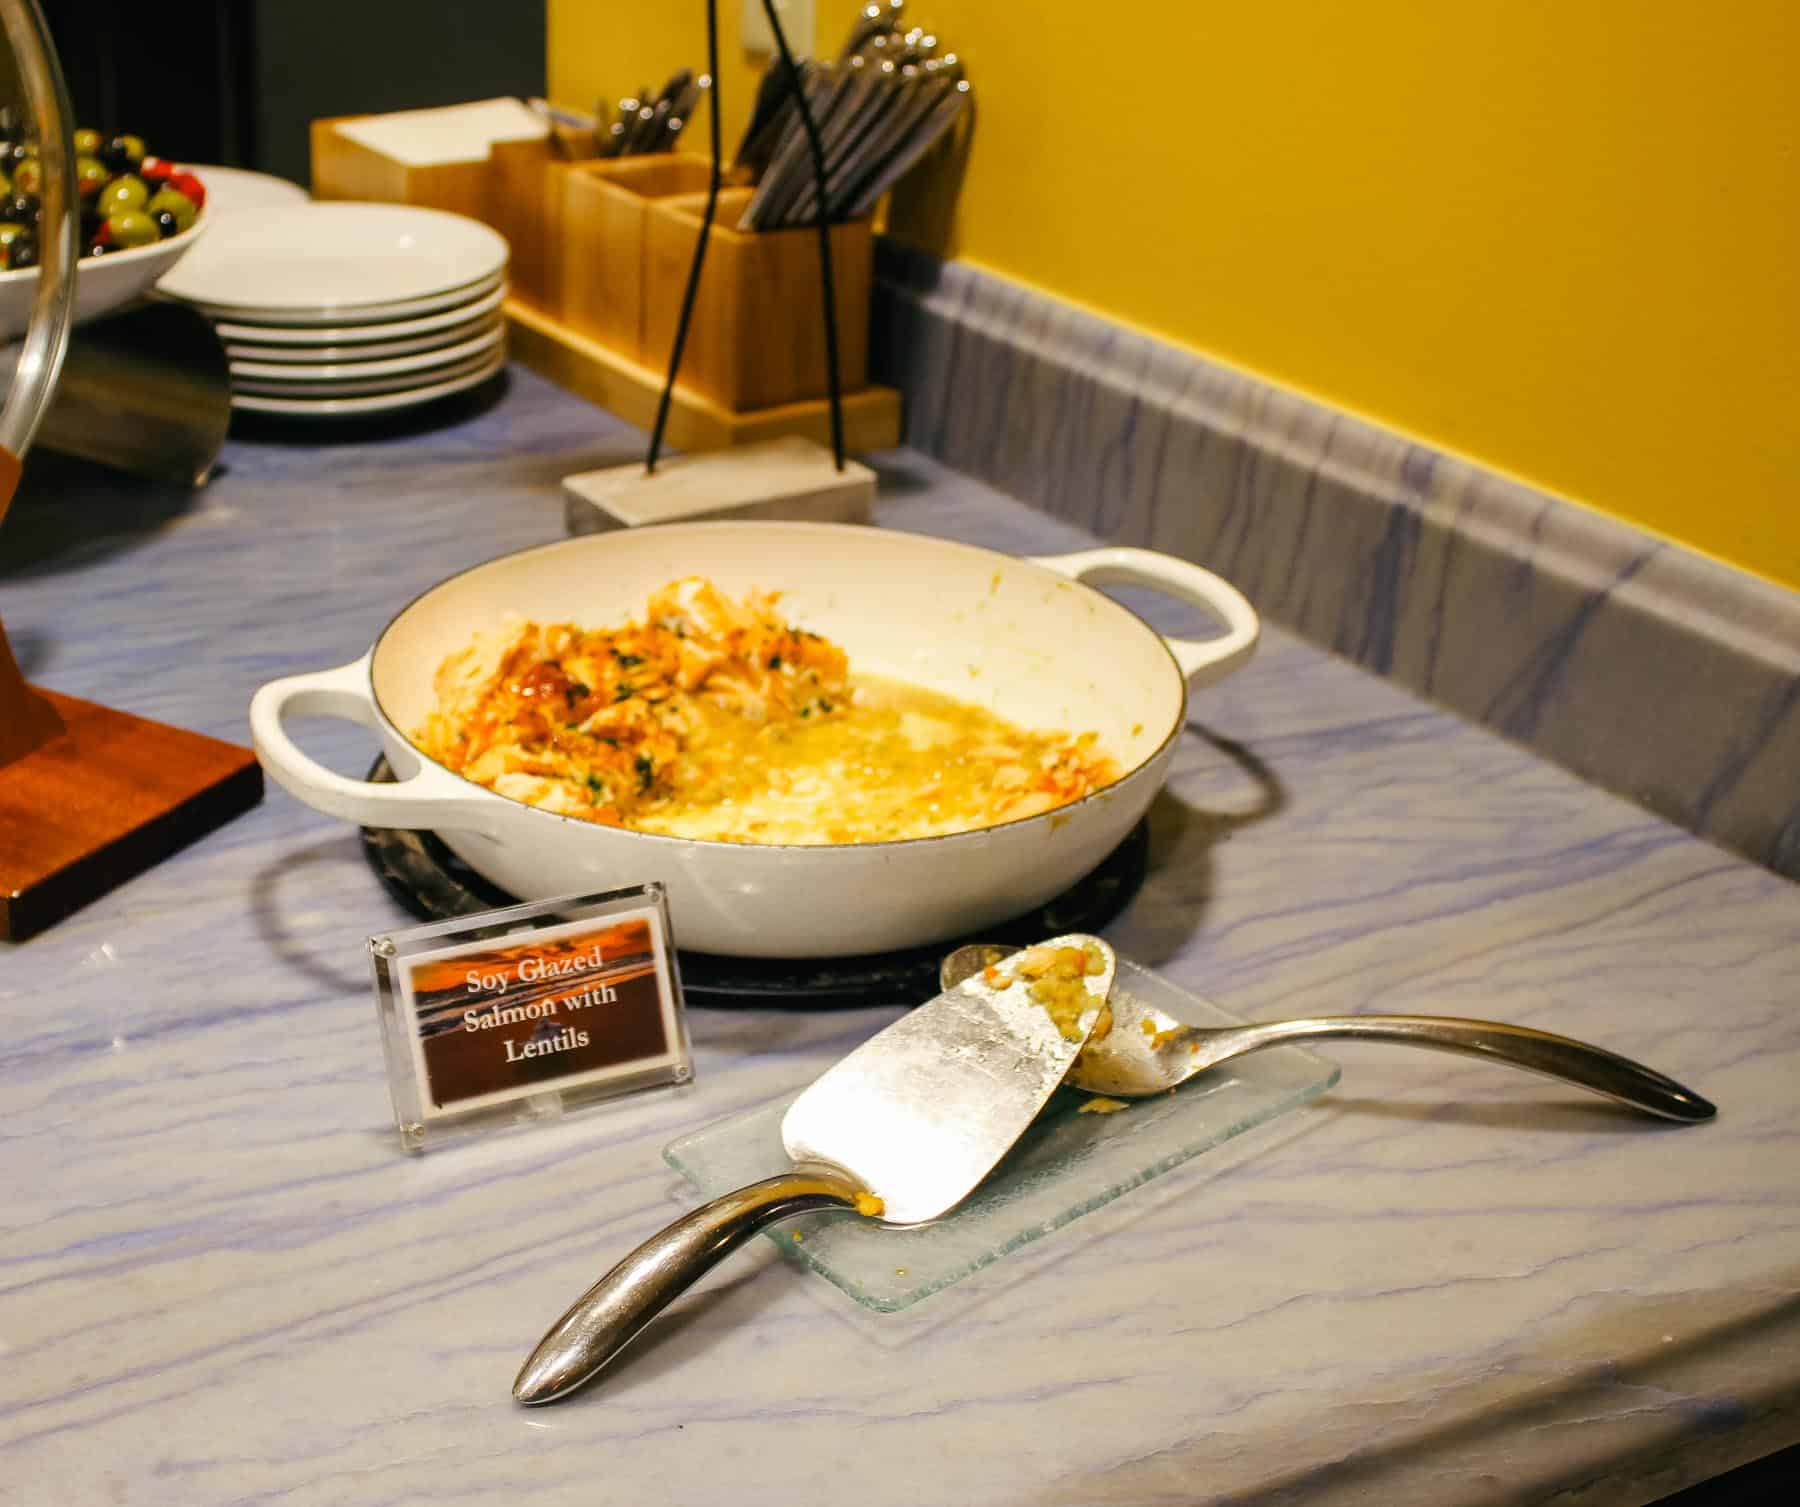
x=603 y=376
x=104 y=800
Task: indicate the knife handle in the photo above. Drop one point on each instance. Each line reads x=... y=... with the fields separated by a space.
x=611 y=1313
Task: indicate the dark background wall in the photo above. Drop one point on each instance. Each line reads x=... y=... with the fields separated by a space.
x=236 y=81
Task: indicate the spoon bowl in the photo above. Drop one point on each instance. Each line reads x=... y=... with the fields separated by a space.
x=1147 y=1052
x=1143 y=1052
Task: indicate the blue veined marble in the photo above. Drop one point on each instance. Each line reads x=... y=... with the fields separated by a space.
x=221 y=1282
x=1647 y=668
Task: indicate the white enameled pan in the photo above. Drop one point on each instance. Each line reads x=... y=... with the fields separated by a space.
x=1023 y=637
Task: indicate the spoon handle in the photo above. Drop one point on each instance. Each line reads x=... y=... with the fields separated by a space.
x=1590 y=1067
x=610 y=1314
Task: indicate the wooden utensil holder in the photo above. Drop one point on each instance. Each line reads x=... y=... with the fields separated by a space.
x=600 y=253
x=603 y=214
x=757 y=338
x=523 y=206
x=346 y=169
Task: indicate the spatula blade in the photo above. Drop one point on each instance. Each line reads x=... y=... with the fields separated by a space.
x=920 y=1113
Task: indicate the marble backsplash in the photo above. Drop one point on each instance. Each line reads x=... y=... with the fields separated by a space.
x=1644 y=667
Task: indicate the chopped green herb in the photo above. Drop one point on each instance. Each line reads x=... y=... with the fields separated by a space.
x=774 y=661
x=646 y=771
x=574 y=691
x=624 y=693
x=628 y=660
x=806 y=711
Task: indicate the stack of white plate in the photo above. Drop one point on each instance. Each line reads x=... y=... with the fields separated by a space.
x=334 y=309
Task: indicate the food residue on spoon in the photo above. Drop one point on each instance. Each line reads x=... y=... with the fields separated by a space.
x=869 y=1205
x=1160 y=1039
x=1100 y=1105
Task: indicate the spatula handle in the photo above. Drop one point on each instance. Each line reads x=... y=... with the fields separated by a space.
x=610 y=1313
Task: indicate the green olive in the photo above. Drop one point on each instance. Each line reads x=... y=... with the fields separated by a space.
x=176 y=203
x=88 y=142
x=135 y=146
x=128 y=192
x=132 y=228
x=28 y=177
x=8 y=231
x=90 y=176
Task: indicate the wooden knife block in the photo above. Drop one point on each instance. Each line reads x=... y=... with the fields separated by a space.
x=757 y=338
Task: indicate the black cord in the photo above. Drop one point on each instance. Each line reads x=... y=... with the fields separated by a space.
x=833 y=387
x=706 y=221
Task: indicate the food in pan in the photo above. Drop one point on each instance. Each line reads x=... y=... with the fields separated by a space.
x=718 y=719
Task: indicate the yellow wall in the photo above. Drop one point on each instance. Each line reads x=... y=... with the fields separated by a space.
x=1561 y=237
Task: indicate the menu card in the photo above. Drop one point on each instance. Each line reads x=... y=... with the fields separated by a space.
x=529 y=1012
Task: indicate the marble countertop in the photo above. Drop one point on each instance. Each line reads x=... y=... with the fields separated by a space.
x=220 y=1281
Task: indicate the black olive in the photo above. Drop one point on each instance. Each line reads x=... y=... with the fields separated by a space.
x=24 y=251
x=167 y=223
x=117 y=155
x=21 y=209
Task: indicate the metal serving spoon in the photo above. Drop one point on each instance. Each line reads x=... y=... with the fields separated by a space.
x=1147 y=1052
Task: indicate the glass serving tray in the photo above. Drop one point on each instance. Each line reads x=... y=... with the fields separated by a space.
x=1066 y=1165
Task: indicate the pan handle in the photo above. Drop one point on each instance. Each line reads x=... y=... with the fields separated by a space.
x=429 y=797
x=615 y=1309
x=1202 y=661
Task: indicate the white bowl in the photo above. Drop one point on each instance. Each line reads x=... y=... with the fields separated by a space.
x=231 y=189
x=102 y=283
x=1017 y=635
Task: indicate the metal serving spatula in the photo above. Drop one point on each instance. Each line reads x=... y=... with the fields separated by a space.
x=905 y=1128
